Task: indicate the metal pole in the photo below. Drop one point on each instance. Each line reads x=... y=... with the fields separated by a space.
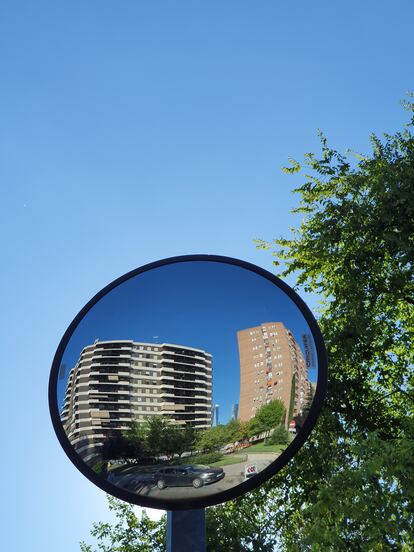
x=186 y=531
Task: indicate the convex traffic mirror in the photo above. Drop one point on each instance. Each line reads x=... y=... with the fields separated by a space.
x=187 y=382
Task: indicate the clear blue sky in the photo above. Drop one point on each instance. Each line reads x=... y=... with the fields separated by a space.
x=201 y=304
x=132 y=131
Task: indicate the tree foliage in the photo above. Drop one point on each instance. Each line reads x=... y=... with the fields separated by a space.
x=156 y=436
x=213 y=438
x=130 y=533
x=280 y=436
x=351 y=485
x=118 y=446
x=267 y=417
x=237 y=430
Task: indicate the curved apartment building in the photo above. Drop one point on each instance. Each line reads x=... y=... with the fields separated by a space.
x=115 y=382
x=272 y=366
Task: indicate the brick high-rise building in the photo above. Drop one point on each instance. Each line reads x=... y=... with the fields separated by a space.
x=271 y=367
x=115 y=382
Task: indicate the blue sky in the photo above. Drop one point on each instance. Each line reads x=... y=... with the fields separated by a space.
x=201 y=304
x=139 y=130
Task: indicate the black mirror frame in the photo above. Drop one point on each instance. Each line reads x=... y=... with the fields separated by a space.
x=242 y=488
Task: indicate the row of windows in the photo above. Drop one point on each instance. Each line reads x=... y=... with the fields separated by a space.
x=114 y=353
x=148 y=348
x=185 y=351
x=154 y=348
x=188 y=373
x=113 y=345
x=188 y=402
x=107 y=388
x=110 y=369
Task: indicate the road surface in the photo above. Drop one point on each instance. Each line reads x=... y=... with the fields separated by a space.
x=143 y=484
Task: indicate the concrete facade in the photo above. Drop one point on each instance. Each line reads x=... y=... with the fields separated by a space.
x=115 y=382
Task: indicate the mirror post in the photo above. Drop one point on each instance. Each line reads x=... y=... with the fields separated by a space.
x=186 y=530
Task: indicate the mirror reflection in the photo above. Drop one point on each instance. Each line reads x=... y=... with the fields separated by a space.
x=187 y=380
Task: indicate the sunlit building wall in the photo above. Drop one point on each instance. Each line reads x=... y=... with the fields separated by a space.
x=272 y=366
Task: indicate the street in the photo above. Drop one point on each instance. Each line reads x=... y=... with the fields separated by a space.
x=143 y=483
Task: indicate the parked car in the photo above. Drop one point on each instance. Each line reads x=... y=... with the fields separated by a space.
x=187 y=476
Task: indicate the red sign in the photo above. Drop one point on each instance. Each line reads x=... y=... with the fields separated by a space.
x=249 y=471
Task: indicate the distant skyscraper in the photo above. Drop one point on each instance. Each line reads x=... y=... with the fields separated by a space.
x=216 y=408
x=271 y=367
x=215 y=414
x=234 y=411
x=115 y=382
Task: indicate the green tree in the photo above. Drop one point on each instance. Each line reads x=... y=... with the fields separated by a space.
x=223 y=434
x=130 y=533
x=213 y=438
x=351 y=485
x=280 y=436
x=187 y=439
x=292 y=398
x=117 y=446
x=309 y=399
x=156 y=428
x=240 y=526
x=133 y=442
x=158 y=435
x=236 y=430
x=268 y=416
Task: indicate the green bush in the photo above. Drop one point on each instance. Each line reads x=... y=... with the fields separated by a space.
x=268 y=416
x=280 y=436
x=208 y=458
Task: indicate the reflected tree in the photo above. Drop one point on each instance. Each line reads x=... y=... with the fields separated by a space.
x=213 y=438
x=267 y=417
x=158 y=436
x=116 y=446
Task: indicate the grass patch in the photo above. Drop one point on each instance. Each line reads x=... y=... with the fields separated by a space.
x=230 y=459
x=263 y=447
x=208 y=458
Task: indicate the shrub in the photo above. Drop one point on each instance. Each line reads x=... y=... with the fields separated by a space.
x=208 y=458
x=280 y=436
x=268 y=416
